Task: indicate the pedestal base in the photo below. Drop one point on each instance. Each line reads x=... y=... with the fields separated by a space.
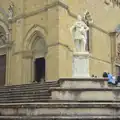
x=80 y=65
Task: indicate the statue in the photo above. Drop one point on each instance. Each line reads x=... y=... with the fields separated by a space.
x=79 y=33
x=10 y=11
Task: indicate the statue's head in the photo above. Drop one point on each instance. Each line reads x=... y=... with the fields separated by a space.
x=79 y=18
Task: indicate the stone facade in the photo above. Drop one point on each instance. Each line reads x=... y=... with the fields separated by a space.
x=41 y=28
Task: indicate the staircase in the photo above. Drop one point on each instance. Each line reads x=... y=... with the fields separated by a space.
x=35 y=92
x=66 y=99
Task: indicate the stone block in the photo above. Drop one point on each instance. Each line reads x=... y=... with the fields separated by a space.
x=86 y=94
x=83 y=83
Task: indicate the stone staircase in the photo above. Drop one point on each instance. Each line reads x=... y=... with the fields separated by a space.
x=26 y=93
x=71 y=99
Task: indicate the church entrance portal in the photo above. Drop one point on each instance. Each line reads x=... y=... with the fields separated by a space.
x=39 y=69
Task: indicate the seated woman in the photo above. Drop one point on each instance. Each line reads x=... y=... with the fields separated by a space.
x=111 y=79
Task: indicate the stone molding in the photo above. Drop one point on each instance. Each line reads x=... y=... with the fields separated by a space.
x=33 y=32
x=61 y=4
x=25 y=15
x=26 y=52
x=84 y=89
x=56 y=105
x=81 y=53
x=62 y=44
x=100 y=79
x=100 y=29
x=99 y=59
x=6 y=46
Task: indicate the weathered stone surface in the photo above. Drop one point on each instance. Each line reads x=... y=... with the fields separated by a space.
x=60 y=109
x=83 y=83
x=60 y=117
x=86 y=94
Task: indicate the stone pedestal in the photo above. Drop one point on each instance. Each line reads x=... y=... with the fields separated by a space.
x=80 y=65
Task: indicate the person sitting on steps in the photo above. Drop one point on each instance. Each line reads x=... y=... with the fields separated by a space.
x=111 y=80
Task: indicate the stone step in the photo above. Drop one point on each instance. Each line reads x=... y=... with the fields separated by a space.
x=47 y=99
x=24 y=99
x=60 y=117
x=29 y=85
x=27 y=88
x=24 y=90
x=86 y=94
x=60 y=109
x=25 y=95
x=32 y=84
x=83 y=82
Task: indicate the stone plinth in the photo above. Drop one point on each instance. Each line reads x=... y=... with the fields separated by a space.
x=80 y=64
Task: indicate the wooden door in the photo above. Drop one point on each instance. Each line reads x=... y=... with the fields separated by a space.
x=2 y=69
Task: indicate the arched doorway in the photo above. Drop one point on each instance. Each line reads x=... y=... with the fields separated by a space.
x=36 y=47
x=39 y=50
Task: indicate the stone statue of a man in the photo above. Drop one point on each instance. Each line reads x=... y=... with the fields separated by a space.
x=79 y=33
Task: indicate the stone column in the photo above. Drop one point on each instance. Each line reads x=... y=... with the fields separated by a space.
x=27 y=67
x=8 y=55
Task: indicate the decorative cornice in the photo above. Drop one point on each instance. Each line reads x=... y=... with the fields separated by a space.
x=66 y=7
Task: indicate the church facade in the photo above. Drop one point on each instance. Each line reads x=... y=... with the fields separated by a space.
x=36 y=43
